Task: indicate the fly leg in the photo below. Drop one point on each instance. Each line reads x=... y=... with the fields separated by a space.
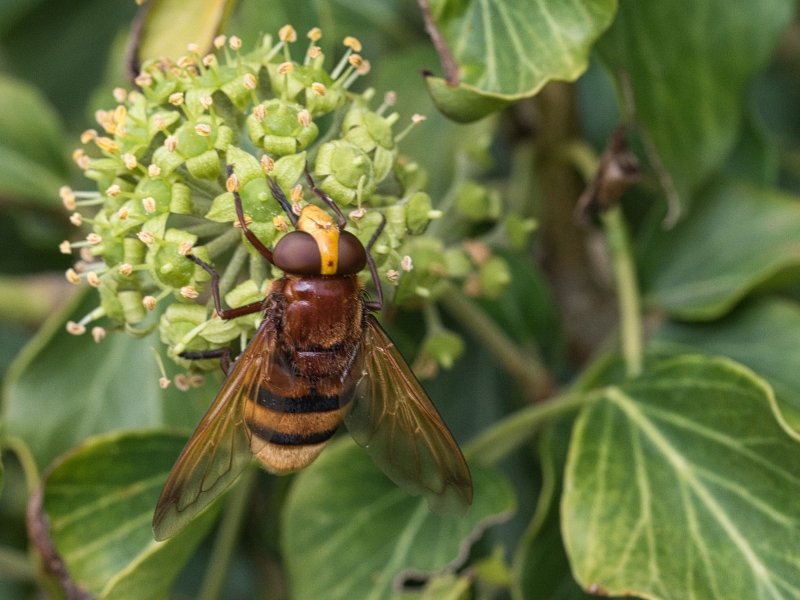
x=251 y=237
x=229 y=313
x=223 y=354
x=375 y=305
x=278 y=194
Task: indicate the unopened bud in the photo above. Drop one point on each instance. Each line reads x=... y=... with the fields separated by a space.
x=304 y=117
x=314 y=34
x=93 y=239
x=189 y=292
x=149 y=302
x=287 y=34
x=203 y=129
x=72 y=277
x=285 y=68
x=154 y=170
x=76 y=219
x=130 y=161
x=176 y=99
x=75 y=328
x=146 y=237
x=98 y=333
x=318 y=88
x=352 y=43
x=120 y=94
x=235 y=43
x=125 y=269
x=267 y=163
x=88 y=135
x=93 y=279
x=149 y=204
x=171 y=143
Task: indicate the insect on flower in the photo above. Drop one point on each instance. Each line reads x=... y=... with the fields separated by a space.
x=318 y=358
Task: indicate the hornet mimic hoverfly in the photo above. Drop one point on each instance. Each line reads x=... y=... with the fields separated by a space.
x=317 y=359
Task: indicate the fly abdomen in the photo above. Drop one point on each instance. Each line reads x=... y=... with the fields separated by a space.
x=287 y=434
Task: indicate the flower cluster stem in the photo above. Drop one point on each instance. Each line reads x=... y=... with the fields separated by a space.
x=627 y=289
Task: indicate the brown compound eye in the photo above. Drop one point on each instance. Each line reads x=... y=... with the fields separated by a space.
x=352 y=255
x=297 y=253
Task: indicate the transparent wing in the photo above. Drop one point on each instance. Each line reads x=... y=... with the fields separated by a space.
x=393 y=418
x=221 y=447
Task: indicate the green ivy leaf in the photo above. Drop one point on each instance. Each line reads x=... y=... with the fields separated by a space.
x=349 y=525
x=762 y=335
x=510 y=49
x=541 y=568
x=694 y=272
x=32 y=166
x=169 y=27
x=688 y=85
x=100 y=499
x=62 y=389
x=683 y=483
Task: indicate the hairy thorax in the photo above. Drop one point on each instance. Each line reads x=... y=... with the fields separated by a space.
x=321 y=322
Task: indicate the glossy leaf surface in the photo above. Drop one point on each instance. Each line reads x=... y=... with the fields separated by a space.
x=100 y=500
x=507 y=50
x=694 y=272
x=32 y=166
x=355 y=531
x=762 y=335
x=683 y=484
x=687 y=64
x=63 y=389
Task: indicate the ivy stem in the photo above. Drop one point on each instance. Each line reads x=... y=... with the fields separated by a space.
x=630 y=313
x=227 y=534
x=502 y=438
x=529 y=372
x=227 y=240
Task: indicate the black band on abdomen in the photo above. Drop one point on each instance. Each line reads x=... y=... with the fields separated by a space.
x=292 y=439
x=309 y=403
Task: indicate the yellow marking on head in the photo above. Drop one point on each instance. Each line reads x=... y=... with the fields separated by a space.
x=319 y=224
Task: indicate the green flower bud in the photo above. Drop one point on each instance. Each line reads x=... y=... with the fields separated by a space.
x=477 y=203
x=265 y=232
x=234 y=88
x=410 y=175
x=418 y=208
x=132 y=308
x=220 y=331
x=111 y=304
x=170 y=268
x=158 y=190
x=111 y=249
x=179 y=320
x=160 y=121
x=288 y=170
x=225 y=137
x=204 y=166
x=245 y=165
x=445 y=347
x=134 y=251
x=457 y=263
x=167 y=161
x=519 y=230
x=319 y=105
x=244 y=293
x=280 y=132
x=346 y=168
x=494 y=277
x=181 y=199
x=293 y=80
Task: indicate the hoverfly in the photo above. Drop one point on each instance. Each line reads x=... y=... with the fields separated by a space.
x=317 y=359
